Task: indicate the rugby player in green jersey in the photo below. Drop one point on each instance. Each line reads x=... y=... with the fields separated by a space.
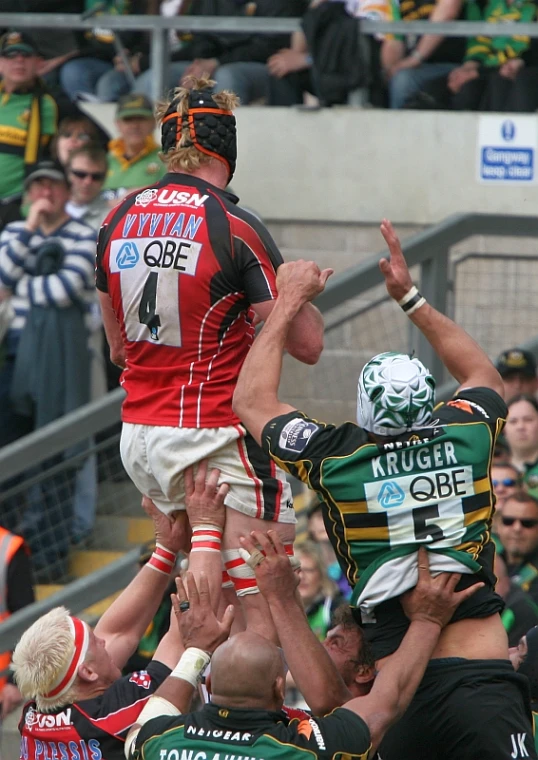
x=409 y=474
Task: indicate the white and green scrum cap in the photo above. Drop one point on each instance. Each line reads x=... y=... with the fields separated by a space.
x=395 y=394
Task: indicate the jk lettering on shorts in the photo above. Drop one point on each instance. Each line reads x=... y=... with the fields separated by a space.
x=295 y=434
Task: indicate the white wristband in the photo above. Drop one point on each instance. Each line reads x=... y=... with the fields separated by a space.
x=411 y=293
x=191 y=666
x=412 y=301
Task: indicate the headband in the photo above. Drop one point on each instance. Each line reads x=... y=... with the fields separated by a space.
x=81 y=639
x=212 y=129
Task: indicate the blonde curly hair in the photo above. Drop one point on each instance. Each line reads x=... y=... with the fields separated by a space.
x=186 y=157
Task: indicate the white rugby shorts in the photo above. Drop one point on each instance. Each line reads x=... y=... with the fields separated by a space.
x=155 y=458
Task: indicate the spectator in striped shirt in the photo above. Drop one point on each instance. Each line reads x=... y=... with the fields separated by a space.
x=47 y=269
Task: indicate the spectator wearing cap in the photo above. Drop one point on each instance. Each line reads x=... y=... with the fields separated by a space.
x=47 y=268
x=133 y=158
x=28 y=119
x=517 y=367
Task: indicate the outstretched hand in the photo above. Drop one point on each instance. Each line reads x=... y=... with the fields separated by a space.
x=394 y=269
x=434 y=599
x=172 y=532
x=301 y=280
x=198 y=624
x=204 y=498
x=274 y=573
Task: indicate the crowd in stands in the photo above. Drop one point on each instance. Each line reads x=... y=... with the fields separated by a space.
x=60 y=174
x=323 y=59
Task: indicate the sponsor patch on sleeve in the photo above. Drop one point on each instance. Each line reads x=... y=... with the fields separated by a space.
x=468 y=406
x=296 y=433
x=141 y=678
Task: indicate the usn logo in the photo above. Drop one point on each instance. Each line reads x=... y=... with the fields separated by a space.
x=128 y=256
x=390 y=495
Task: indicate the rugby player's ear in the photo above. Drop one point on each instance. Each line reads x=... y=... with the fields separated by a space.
x=86 y=673
x=364 y=674
x=208 y=683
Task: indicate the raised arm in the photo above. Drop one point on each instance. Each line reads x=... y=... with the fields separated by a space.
x=461 y=355
x=256 y=395
x=201 y=633
x=204 y=500
x=429 y=606
x=123 y=624
x=313 y=670
x=304 y=340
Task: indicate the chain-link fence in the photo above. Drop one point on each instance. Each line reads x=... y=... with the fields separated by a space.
x=69 y=502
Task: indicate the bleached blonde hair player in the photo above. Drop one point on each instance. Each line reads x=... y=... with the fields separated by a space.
x=61 y=661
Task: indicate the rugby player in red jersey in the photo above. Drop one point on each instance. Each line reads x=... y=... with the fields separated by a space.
x=181 y=272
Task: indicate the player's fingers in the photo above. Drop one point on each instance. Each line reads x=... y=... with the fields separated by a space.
x=262 y=540
x=222 y=493
x=384 y=265
x=423 y=564
x=461 y=596
x=192 y=589
x=212 y=480
x=188 y=481
x=277 y=542
x=391 y=239
x=452 y=580
x=201 y=476
x=181 y=593
x=326 y=273
x=175 y=603
x=247 y=543
x=228 y=618
x=149 y=507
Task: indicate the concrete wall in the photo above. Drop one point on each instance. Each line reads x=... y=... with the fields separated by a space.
x=360 y=165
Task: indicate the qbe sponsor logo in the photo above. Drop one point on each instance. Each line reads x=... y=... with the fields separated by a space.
x=156 y=253
x=507 y=149
x=419 y=489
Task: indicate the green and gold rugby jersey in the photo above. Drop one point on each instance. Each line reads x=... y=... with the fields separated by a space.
x=22 y=134
x=126 y=174
x=220 y=733
x=381 y=502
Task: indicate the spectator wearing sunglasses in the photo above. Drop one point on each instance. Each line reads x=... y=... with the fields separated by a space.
x=506 y=480
x=518 y=533
x=86 y=168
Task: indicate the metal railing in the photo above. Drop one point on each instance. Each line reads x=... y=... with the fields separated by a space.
x=428 y=250
x=158 y=26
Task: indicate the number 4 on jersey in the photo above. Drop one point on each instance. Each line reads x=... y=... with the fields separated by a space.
x=147 y=313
